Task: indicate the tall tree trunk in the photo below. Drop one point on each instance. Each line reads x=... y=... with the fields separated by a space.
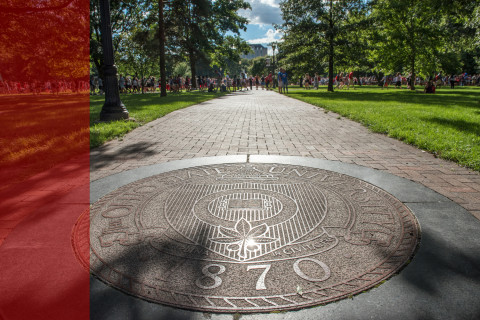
x=412 y=47
x=412 y=79
x=161 y=40
x=330 y=50
x=412 y=57
x=193 y=69
x=330 y=66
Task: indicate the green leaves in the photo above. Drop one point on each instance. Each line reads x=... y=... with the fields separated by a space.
x=424 y=36
x=389 y=36
x=317 y=33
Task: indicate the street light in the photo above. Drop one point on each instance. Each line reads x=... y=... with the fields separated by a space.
x=113 y=108
x=274 y=45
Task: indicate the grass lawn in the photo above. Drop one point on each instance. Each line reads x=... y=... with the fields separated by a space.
x=143 y=108
x=446 y=123
x=39 y=131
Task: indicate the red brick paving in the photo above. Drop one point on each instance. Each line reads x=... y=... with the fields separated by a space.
x=22 y=200
x=268 y=123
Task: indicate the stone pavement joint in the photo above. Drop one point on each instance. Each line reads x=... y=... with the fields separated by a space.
x=267 y=123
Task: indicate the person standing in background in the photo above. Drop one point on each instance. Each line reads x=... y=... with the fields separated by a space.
x=350 y=81
x=452 y=82
x=279 y=79
x=284 y=78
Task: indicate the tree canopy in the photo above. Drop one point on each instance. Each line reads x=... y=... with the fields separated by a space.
x=198 y=31
x=328 y=36
x=320 y=35
x=44 y=53
x=388 y=36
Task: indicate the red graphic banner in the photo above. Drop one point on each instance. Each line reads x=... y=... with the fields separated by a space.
x=44 y=157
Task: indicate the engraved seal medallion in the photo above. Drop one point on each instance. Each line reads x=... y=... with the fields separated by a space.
x=247 y=237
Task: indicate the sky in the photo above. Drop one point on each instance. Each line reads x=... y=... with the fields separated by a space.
x=261 y=18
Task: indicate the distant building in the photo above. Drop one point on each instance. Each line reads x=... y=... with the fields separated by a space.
x=258 y=51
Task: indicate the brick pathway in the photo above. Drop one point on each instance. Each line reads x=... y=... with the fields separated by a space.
x=268 y=123
x=27 y=198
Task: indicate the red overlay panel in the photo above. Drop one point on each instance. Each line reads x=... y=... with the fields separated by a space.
x=44 y=157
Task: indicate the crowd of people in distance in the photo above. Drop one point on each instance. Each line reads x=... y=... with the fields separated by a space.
x=431 y=83
x=339 y=81
x=176 y=84
x=242 y=82
x=37 y=87
x=347 y=79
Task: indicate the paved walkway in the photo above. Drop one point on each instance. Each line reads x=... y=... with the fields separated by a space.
x=38 y=253
x=267 y=123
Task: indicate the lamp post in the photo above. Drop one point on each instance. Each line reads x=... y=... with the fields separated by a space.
x=239 y=81
x=274 y=45
x=161 y=41
x=113 y=108
x=221 y=76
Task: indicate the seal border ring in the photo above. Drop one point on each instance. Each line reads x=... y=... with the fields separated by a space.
x=334 y=297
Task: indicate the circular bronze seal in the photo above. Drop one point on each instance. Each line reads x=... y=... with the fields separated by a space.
x=247 y=237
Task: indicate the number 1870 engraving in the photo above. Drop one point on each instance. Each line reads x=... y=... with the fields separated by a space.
x=208 y=274
x=214 y=276
x=261 y=280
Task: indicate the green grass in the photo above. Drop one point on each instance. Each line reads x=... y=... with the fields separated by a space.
x=143 y=108
x=446 y=123
x=38 y=132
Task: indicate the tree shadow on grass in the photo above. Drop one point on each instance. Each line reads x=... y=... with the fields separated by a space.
x=460 y=125
x=137 y=103
x=447 y=98
x=41 y=131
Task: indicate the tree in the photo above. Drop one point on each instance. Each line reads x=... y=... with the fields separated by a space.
x=136 y=53
x=227 y=54
x=258 y=67
x=44 y=53
x=462 y=29
x=125 y=15
x=161 y=49
x=474 y=23
x=35 y=7
x=182 y=69
x=317 y=34
x=199 y=29
x=407 y=36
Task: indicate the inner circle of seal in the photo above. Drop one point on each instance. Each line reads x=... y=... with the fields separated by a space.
x=248 y=237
